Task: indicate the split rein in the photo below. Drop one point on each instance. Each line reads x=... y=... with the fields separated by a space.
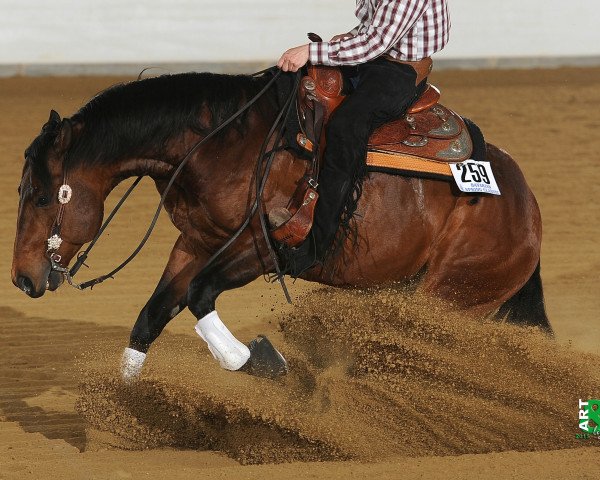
x=64 y=197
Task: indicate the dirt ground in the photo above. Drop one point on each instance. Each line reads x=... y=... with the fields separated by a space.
x=414 y=393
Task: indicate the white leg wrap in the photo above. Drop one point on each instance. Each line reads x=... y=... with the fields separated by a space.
x=132 y=363
x=230 y=352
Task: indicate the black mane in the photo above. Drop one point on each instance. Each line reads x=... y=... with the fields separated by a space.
x=131 y=119
x=141 y=116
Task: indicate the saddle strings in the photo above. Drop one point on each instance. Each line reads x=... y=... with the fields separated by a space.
x=261 y=182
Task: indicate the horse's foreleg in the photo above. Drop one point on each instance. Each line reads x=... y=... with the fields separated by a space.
x=168 y=299
x=259 y=357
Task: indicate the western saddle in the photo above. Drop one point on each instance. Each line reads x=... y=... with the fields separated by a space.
x=422 y=143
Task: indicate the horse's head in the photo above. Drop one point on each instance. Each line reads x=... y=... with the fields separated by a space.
x=42 y=214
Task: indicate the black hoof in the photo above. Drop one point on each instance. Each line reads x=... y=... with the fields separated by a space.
x=265 y=360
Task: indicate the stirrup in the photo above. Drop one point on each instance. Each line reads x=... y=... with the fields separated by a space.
x=292 y=229
x=278 y=216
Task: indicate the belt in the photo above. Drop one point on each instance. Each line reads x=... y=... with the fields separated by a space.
x=422 y=67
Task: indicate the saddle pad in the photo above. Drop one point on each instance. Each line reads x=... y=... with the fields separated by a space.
x=402 y=164
x=436 y=138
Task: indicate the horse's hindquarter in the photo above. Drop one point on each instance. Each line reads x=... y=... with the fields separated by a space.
x=490 y=245
x=474 y=250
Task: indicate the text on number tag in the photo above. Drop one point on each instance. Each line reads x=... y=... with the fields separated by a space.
x=474 y=176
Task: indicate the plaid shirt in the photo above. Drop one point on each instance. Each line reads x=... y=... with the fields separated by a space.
x=403 y=29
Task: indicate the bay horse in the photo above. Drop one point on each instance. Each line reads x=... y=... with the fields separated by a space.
x=480 y=252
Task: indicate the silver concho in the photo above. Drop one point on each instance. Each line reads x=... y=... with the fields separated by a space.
x=309 y=84
x=64 y=194
x=54 y=243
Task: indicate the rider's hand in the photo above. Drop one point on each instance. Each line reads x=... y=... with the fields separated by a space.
x=341 y=36
x=294 y=59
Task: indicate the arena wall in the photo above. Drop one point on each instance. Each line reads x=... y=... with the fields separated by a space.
x=38 y=35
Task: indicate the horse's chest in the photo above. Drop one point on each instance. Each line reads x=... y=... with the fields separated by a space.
x=177 y=218
x=177 y=209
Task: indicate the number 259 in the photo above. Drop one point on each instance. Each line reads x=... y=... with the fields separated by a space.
x=477 y=173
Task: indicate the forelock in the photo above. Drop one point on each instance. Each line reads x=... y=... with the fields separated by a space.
x=37 y=153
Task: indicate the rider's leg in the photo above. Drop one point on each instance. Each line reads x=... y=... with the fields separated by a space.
x=384 y=91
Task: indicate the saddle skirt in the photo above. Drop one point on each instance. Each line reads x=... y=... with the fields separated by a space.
x=422 y=143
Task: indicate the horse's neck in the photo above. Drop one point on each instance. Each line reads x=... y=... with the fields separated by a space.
x=154 y=167
x=225 y=164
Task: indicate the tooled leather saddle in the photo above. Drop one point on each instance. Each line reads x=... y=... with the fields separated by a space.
x=428 y=130
x=422 y=143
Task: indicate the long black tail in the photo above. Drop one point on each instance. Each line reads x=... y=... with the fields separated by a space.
x=526 y=307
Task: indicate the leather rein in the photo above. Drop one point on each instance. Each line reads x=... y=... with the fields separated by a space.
x=276 y=131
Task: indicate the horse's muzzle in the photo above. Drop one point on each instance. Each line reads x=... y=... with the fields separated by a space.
x=55 y=280
x=26 y=285
x=48 y=281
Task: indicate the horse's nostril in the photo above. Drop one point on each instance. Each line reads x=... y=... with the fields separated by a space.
x=25 y=284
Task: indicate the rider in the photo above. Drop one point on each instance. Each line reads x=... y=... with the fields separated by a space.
x=391 y=48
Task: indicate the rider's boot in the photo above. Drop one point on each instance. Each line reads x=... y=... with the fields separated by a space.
x=333 y=193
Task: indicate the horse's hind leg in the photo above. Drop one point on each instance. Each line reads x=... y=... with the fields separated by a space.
x=168 y=299
x=259 y=357
x=479 y=266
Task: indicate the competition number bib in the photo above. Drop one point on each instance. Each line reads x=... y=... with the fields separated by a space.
x=472 y=176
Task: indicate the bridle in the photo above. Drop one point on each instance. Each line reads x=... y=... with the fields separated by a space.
x=276 y=131
x=55 y=240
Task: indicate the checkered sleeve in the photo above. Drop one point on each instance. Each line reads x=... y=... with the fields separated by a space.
x=362 y=10
x=317 y=53
x=391 y=20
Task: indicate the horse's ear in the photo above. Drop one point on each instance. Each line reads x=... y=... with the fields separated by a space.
x=63 y=139
x=54 y=117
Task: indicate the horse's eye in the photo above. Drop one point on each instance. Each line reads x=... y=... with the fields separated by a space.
x=42 y=201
